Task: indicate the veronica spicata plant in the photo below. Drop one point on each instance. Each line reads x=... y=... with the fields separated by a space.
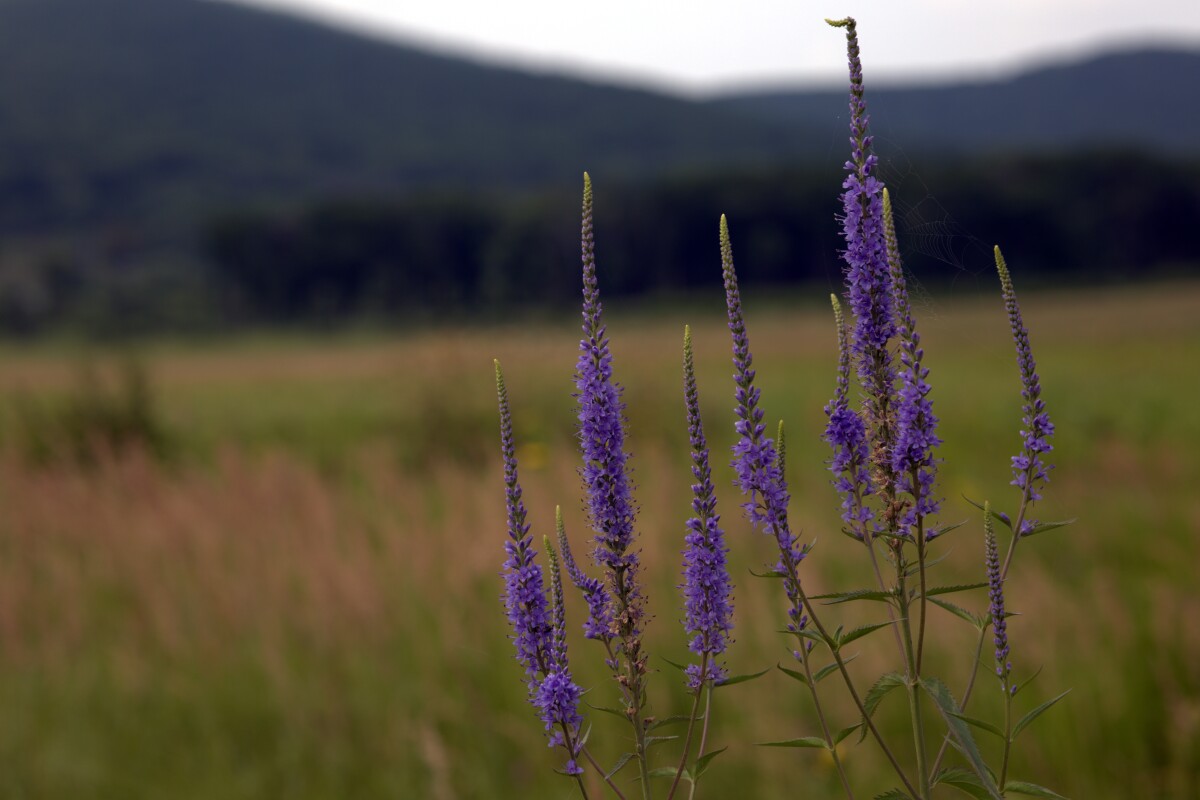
x=883 y=433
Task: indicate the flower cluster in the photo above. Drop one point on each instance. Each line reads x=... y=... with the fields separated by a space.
x=708 y=609
x=846 y=433
x=1029 y=467
x=996 y=598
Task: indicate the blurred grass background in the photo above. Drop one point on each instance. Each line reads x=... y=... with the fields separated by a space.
x=270 y=567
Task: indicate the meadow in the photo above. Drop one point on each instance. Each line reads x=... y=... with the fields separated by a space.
x=290 y=586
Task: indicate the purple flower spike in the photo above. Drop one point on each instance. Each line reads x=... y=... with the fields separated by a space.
x=1029 y=467
x=755 y=459
x=558 y=695
x=996 y=595
x=867 y=275
x=708 y=609
x=916 y=426
x=846 y=433
x=525 y=598
x=599 y=623
x=601 y=423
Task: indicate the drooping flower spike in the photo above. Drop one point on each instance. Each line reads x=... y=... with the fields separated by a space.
x=996 y=598
x=524 y=597
x=916 y=436
x=708 y=607
x=599 y=622
x=1029 y=466
x=754 y=456
x=847 y=435
x=558 y=695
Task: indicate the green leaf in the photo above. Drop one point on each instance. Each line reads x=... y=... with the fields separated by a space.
x=963 y=780
x=959 y=611
x=676 y=665
x=653 y=740
x=876 y=693
x=663 y=772
x=858 y=594
x=944 y=700
x=703 y=761
x=828 y=669
x=961 y=587
x=1037 y=712
x=942 y=531
x=893 y=794
x=1027 y=681
x=1004 y=519
x=800 y=676
x=662 y=723
x=741 y=678
x=772 y=574
x=860 y=632
x=1032 y=789
x=803 y=741
x=1042 y=527
x=983 y=726
x=614 y=711
x=621 y=762
x=915 y=568
x=841 y=735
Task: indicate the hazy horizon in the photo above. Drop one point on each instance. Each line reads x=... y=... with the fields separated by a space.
x=772 y=44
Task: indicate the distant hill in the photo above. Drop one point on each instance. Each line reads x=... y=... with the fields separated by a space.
x=162 y=110
x=1144 y=99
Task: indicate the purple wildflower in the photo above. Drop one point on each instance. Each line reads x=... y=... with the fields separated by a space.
x=599 y=622
x=601 y=427
x=996 y=595
x=706 y=588
x=847 y=435
x=525 y=598
x=1029 y=467
x=558 y=695
x=916 y=426
x=755 y=459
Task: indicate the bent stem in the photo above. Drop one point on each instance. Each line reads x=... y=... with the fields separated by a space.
x=703 y=736
x=604 y=775
x=829 y=742
x=569 y=745
x=687 y=740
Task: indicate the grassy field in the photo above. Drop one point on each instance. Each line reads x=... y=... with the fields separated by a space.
x=293 y=589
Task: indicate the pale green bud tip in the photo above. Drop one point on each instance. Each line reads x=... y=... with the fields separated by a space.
x=1001 y=265
x=558 y=520
x=840 y=23
x=687 y=339
x=499 y=374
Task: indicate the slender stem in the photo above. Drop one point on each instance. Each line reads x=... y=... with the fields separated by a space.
x=687 y=739
x=883 y=588
x=1012 y=548
x=812 y=688
x=1007 y=734
x=591 y=760
x=569 y=745
x=913 y=677
x=703 y=737
x=790 y=564
x=920 y=534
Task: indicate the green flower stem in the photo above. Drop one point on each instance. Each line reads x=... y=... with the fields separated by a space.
x=569 y=745
x=912 y=680
x=600 y=771
x=687 y=739
x=790 y=565
x=812 y=688
x=703 y=735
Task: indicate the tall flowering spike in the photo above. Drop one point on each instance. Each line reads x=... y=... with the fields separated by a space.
x=602 y=438
x=525 y=597
x=599 y=622
x=996 y=596
x=708 y=607
x=847 y=435
x=1029 y=467
x=868 y=279
x=754 y=455
x=916 y=426
x=558 y=695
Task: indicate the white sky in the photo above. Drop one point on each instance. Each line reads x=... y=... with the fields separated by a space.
x=704 y=45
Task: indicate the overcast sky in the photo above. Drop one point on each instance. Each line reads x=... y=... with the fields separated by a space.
x=703 y=45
